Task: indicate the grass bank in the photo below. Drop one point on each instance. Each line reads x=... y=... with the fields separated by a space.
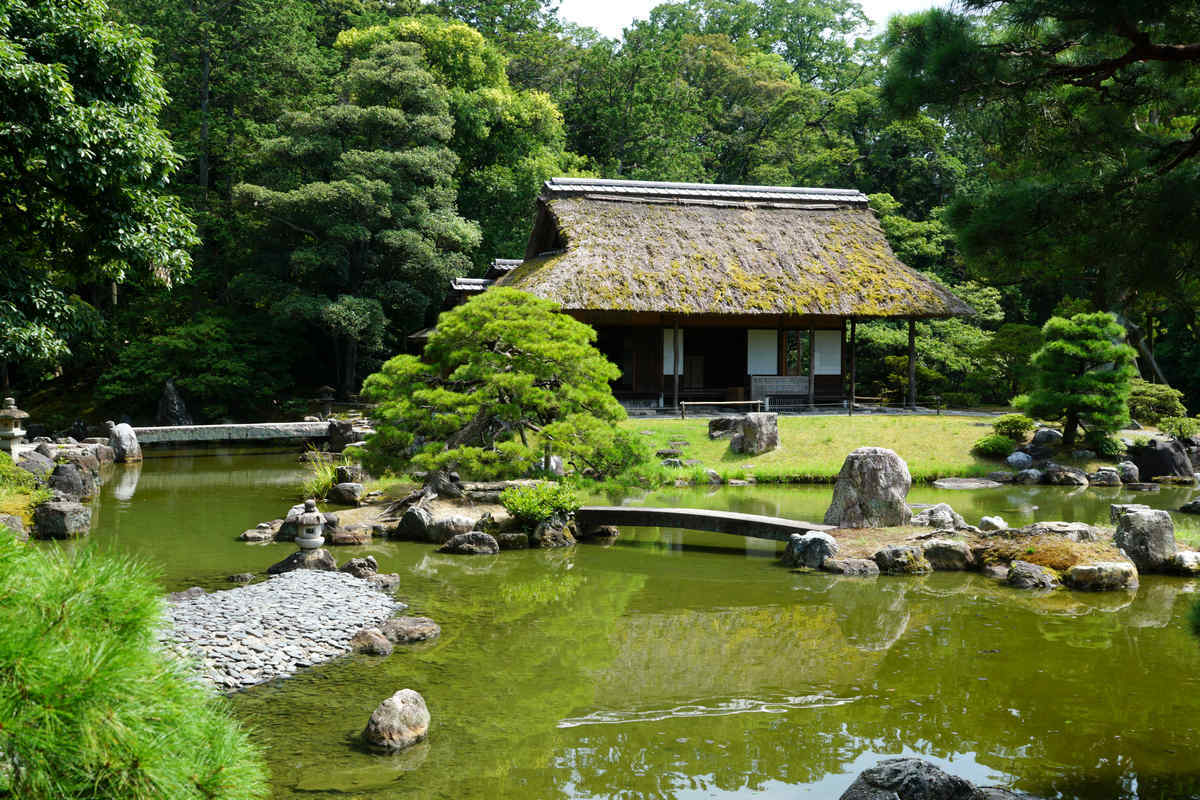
x=18 y=490
x=812 y=448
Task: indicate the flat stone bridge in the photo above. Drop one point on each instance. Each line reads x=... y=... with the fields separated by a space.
x=255 y=432
x=696 y=519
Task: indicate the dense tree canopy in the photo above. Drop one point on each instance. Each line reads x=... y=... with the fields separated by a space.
x=84 y=171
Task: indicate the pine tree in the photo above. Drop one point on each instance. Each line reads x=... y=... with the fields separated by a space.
x=1083 y=375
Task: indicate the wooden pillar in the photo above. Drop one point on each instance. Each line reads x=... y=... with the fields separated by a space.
x=853 y=365
x=812 y=366
x=912 y=363
x=675 y=359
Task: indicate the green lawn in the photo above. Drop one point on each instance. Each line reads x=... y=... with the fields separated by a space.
x=812 y=448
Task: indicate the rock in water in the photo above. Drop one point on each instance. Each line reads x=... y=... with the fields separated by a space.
x=399 y=722
x=403 y=630
x=361 y=567
x=61 y=520
x=1059 y=475
x=123 y=441
x=1161 y=458
x=1023 y=575
x=171 y=409
x=757 y=432
x=942 y=517
x=414 y=525
x=319 y=559
x=341 y=433
x=1129 y=472
x=1148 y=538
x=1118 y=510
x=809 y=549
x=851 y=567
x=372 y=642
x=908 y=779
x=557 y=531
x=1102 y=576
x=72 y=482
x=870 y=491
x=899 y=560
x=948 y=554
x=472 y=543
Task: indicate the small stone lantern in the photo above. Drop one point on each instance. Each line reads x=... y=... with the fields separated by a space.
x=310 y=524
x=326 y=398
x=10 y=425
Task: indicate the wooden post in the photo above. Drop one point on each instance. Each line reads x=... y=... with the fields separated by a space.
x=912 y=363
x=675 y=359
x=812 y=367
x=853 y=365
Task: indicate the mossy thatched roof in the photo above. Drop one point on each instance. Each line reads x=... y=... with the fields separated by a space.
x=707 y=249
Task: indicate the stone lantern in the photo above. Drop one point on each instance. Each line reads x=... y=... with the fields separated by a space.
x=10 y=425
x=309 y=527
x=326 y=398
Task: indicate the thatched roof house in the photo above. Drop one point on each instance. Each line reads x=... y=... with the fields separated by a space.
x=636 y=246
x=717 y=292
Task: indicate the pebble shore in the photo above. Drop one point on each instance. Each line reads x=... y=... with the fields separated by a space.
x=252 y=634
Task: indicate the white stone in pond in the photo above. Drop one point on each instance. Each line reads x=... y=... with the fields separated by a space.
x=993 y=524
x=398 y=722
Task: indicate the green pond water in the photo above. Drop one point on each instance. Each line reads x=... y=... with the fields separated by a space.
x=686 y=665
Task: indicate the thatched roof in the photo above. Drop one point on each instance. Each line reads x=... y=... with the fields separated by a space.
x=602 y=245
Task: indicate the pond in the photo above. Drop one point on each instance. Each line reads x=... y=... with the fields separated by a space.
x=681 y=665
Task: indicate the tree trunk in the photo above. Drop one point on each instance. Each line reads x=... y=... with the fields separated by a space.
x=4 y=384
x=912 y=363
x=1070 y=428
x=1136 y=337
x=350 y=366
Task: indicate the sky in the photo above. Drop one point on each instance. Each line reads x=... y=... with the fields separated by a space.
x=610 y=16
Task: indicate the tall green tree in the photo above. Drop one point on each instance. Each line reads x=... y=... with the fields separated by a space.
x=508 y=141
x=1082 y=375
x=358 y=202
x=1091 y=168
x=84 y=171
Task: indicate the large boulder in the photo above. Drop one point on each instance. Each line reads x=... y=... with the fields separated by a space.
x=371 y=641
x=870 y=491
x=472 y=543
x=443 y=529
x=757 y=432
x=1118 y=510
x=171 y=408
x=909 y=779
x=557 y=531
x=1148 y=539
x=723 y=427
x=1129 y=472
x=1161 y=458
x=361 y=567
x=398 y=722
x=123 y=441
x=341 y=433
x=61 y=520
x=940 y=516
x=414 y=524
x=1103 y=576
x=1105 y=476
x=1023 y=575
x=902 y=560
x=809 y=549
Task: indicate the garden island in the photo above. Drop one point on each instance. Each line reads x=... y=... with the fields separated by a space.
x=446 y=399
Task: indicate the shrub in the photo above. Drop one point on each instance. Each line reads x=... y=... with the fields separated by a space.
x=1014 y=426
x=1179 y=427
x=531 y=504
x=92 y=706
x=322 y=474
x=1150 y=402
x=994 y=446
x=1103 y=445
